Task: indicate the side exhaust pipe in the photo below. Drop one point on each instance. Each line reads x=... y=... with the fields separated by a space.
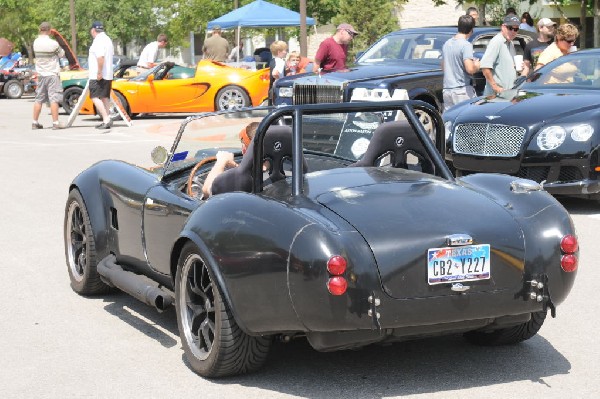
x=135 y=285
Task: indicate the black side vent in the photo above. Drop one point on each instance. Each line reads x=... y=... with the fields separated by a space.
x=114 y=220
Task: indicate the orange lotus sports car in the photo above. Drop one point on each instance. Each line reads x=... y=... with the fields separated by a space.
x=211 y=86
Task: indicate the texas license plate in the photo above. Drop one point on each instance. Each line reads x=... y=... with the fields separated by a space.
x=457 y=264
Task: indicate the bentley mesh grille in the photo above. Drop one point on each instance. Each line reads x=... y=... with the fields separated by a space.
x=488 y=139
x=570 y=173
x=316 y=94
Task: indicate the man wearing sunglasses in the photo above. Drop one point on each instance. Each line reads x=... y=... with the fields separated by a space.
x=498 y=61
x=332 y=52
x=566 y=36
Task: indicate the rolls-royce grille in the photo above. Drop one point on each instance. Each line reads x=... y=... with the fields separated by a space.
x=488 y=139
x=316 y=94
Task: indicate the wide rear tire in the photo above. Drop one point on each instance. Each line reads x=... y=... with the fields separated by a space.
x=507 y=336
x=80 y=248
x=214 y=344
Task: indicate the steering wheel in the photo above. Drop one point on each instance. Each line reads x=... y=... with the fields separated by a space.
x=190 y=180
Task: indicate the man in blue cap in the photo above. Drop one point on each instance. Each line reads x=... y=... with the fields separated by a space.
x=101 y=72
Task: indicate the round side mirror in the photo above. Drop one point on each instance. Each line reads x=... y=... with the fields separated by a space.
x=159 y=155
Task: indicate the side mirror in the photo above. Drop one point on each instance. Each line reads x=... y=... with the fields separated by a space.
x=159 y=155
x=150 y=78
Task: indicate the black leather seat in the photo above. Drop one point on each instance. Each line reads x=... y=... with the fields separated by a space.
x=398 y=140
x=277 y=151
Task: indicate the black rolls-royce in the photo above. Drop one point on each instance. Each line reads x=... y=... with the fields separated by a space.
x=408 y=59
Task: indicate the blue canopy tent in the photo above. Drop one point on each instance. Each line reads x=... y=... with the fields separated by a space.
x=259 y=14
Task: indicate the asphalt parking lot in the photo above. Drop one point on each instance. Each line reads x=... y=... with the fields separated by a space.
x=56 y=344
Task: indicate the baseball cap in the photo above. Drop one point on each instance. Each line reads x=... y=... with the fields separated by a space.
x=545 y=22
x=97 y=25
x=45 y=27
x=511 y=20
x=216 y=28
x=347 y=27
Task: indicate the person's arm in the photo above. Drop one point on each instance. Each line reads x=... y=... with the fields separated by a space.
x=224 y=161
x=471 y=65
x=489 y=77
x=100 y=67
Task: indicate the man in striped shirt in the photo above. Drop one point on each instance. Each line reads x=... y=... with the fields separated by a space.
x=47 y=54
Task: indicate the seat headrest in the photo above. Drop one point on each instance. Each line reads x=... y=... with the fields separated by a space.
x=397 y=139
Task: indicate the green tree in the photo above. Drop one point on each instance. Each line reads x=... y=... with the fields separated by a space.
x=372 y=18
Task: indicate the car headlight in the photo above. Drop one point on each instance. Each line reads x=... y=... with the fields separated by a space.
x=448 y=126
x=551 y=137
x=286 y=92
x=582 y=132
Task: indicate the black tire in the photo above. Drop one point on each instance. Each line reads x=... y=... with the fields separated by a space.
x=80 y=248
x=213 y=343
x=507 y=336
x=231 y=97
x=13 y=89
x=70 y=98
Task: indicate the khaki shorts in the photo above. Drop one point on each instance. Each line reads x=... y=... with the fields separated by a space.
x=459 y=94
x=49 y=89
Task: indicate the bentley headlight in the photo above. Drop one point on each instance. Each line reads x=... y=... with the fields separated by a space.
x=551 y=137
x=286 y=92
x=582 y=132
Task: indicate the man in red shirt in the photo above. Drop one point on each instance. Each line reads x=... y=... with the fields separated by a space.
x=332 y=52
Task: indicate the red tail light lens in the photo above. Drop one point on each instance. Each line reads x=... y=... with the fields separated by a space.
x=569 y=244
x=337 y=285
x=569 y=263
x=336 y=265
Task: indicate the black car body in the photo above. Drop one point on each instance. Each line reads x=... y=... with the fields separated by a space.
x=547 y=129
x=336 y=226
x=408 y=59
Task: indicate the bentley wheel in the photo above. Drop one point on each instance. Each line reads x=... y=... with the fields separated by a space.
x=214 y=344
x=427 y=122
x=231 y=97
x=70 y=98
x=13 y=89
x=511 y=335
x=80 y=248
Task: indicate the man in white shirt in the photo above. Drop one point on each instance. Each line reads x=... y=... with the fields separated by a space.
x=47 y=54
x=150 y=52
x=101 y=72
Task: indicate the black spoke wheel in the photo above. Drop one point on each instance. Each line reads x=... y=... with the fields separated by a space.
x=70 y=98
x=509 y=335
x=80 y=248
x=214 y=344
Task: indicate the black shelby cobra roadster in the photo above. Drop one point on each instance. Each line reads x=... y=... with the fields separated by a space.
x=341 y=224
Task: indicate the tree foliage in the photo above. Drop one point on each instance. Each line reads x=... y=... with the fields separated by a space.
x=372 y=18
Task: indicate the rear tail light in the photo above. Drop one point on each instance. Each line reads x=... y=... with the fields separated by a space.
x=336 y=265
x=337 y=284
x=569 y=245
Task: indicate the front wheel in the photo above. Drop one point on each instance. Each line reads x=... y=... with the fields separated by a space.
x=231 y=97
x=80 y=248
x=214 y=344
x=13 y=89
x=510 y=335
x=70 y=98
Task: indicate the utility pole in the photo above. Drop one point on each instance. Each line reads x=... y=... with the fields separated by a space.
x=303 y=43
x=73 y=26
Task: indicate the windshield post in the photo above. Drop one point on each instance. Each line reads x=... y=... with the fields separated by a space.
x=297 y=164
